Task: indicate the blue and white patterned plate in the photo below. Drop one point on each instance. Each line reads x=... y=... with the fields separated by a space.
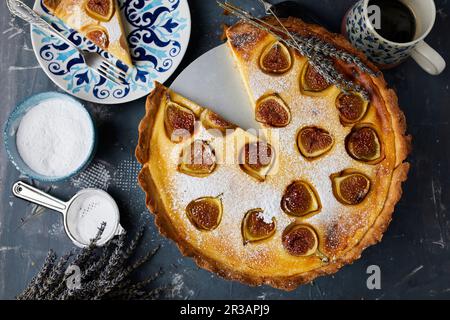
x=158 y=35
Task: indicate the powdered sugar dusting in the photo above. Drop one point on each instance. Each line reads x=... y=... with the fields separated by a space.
x=226 y=182
x=97 y=175
x=240 y=192
x=307 y=111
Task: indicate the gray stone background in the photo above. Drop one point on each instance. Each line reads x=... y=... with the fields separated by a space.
x=414 y=255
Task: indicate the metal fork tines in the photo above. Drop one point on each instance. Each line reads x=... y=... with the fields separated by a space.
x=104 y=67
x=93 y=60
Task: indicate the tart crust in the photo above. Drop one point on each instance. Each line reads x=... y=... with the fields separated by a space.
x=341 y=251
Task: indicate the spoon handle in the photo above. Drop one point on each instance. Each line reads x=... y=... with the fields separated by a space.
x=31 y=194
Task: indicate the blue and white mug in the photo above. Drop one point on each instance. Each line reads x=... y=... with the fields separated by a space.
x=359 y=28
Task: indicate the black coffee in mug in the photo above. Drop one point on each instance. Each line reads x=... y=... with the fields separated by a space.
x=398 y=22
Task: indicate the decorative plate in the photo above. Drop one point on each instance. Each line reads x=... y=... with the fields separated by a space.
x=158 y=35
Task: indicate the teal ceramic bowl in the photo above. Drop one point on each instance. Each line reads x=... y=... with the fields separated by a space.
x=12 y=125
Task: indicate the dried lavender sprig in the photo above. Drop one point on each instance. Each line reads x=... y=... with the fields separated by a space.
x=142 y=260
x=134 y=243
x=312 y=42
x=126 y=254
x=80 y=259
x=304 y=49
x=115 y=260
x=328 y=49
x=322 y=48
x=321 y=67
x=111 y=275
x=55 y=276
x=106 y=286
x=144 y=283
x=129 y=251
x=121 y=274
x=113 y=272
x=294 y=42
x=326 y=69
x=97 y=288
x=95 y=267
x=136 y=291
x=106 y=257
x=330 y=74
x=129 y=270
x=247 y=17
x=86 y=252
x=79 y=294
x=319 y=60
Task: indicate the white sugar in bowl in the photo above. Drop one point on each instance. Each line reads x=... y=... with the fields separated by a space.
x=50 y=137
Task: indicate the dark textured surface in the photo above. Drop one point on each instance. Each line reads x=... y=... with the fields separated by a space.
x=414 y=255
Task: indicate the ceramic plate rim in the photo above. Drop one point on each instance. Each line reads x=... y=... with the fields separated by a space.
x=130 y=98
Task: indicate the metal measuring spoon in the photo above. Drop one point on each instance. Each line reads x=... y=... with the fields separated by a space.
x=83 y=214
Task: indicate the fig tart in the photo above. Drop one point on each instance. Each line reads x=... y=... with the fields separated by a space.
x=303 y=200
x=98 y=20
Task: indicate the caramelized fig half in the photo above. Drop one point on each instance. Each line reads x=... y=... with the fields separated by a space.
x=312 y=80
x=179 y=122
x=300 y=199
x=255 y=226
x=352 y=107
x=272 y=111
x=300 y=240
x=198 y=159
x=313 y=142
x=276 y=59
x=205 y=213
x=350 y=187
x=212 y=120
x=256 y=159
x=98 y=35
x=101 y=10
x=363 y=144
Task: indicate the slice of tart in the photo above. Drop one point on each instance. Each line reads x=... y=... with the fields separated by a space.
x=98 y=20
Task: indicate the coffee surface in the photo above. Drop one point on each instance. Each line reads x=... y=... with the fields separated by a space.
x=397 y=21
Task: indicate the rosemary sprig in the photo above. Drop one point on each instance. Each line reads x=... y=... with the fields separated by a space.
x=319 y=52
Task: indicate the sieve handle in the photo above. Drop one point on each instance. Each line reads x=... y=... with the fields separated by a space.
x=29 y=193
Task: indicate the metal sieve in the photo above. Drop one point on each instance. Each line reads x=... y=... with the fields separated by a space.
x=83 y=214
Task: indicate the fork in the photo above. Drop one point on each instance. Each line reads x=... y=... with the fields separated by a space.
x=93 y=60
